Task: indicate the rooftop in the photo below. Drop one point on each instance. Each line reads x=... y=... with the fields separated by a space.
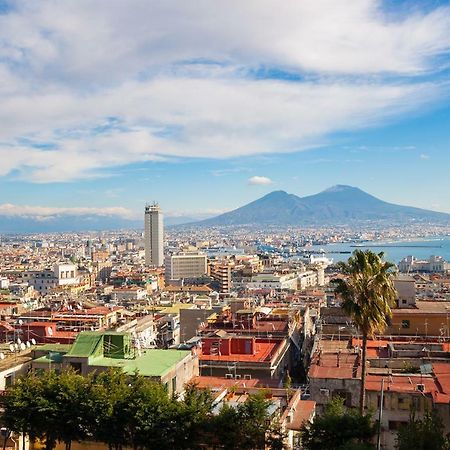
x=264 y=352
x=152 y=362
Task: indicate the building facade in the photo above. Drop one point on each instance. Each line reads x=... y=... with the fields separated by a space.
x=154 y=235
x=185 y=265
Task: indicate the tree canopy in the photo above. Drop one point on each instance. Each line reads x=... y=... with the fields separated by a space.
x=339 y=429
x=367 y=293
x=122 y=410
x=423 y=434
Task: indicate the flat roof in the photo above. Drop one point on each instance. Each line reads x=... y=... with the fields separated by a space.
x=175 y=309
x=424 y=307
x=152 y=362
x=63 y=348
x=264 y=353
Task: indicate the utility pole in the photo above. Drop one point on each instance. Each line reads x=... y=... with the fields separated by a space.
x=380 y=415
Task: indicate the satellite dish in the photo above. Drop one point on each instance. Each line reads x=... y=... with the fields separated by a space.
x=50 y=331
x=28 y=344
x=20 y=322
x=33 y=341
x=19 y=341
x=2 y=355
x=16 y=347
x=22 y=346
x=11 y=348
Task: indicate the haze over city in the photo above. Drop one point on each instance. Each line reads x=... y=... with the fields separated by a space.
x=220 y=104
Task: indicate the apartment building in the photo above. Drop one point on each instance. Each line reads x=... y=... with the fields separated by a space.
x=434 y=264
x=185 y=265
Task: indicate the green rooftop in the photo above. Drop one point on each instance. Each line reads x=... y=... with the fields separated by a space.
x=152 y=362
x=91 y=344
x=113 y=349
x=62 y=348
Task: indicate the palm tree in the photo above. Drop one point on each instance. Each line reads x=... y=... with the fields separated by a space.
x=367 y=293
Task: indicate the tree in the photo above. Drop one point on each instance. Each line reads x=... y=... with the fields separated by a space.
x=339 y=429
x=22 y=407
x=108 y=400
x=367 y=293
x=248 y=425
x=425 y=434
x=52 y=407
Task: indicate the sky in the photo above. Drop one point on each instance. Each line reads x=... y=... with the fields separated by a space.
x=204 y=105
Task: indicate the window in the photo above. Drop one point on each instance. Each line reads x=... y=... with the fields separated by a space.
x=8 y=380
x=174 y=384
x=76 y=367
x=405 y=324
x=379 y=401
x=396 y=424
x=346 y=396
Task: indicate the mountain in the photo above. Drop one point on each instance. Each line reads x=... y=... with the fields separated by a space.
x=59 y=224
x=71 y=223
x=337 y=205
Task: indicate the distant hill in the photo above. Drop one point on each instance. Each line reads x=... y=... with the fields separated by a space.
x=337 y=205
x=66 y=223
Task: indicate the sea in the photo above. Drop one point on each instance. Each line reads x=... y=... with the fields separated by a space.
x=394 y=250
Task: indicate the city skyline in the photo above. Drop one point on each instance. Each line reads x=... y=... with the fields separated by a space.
x=317 y=95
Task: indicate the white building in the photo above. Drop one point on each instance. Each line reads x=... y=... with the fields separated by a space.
x=272 y=281
x=44 y=281
x=4 y=283
x=434 y=264
x=66 y=274
x=185 y=265
x=153 y=235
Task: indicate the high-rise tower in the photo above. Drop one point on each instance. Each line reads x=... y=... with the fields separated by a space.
x=154 y=235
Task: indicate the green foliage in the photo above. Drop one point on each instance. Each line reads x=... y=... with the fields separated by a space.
x=424 y=434
x=339 y=429
x=123 y=410
x=409 y=368
x=367 y=294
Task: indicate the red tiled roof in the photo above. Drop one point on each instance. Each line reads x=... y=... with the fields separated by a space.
x=220 y=383
x=328 y=367
x=401 y=383
x=264 y=353
x=304 y=411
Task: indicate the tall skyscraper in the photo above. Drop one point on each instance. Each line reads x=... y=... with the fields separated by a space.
x=154 y=235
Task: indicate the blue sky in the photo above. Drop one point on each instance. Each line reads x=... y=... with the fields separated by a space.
x=204 y=106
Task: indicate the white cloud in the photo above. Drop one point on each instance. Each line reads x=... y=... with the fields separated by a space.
x=260 y=181
x=89 y=86
x=424 y=156
x=49 y=212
